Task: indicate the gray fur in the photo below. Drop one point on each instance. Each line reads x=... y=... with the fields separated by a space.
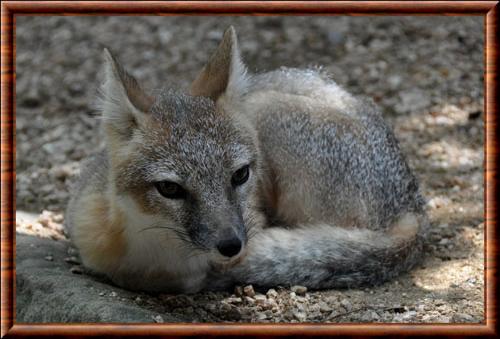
x=329 y=190
x=319 y=258
x=359 y=180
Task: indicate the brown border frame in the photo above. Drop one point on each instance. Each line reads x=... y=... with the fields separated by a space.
x=9 y=9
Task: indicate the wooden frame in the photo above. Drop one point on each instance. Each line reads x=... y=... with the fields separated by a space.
x=9 y=10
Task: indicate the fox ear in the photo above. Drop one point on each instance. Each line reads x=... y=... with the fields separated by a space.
x=124 y=104
x=224 y=73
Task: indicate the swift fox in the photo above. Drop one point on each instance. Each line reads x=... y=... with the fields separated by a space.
x=281 y=178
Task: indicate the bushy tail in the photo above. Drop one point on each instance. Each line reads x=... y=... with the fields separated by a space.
x=325 y=256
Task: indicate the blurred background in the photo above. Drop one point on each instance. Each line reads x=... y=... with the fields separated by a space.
x=425 y=72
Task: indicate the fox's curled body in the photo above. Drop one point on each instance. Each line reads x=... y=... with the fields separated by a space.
x=329 y=201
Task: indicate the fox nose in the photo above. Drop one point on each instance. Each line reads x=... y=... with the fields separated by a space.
x=229 y=247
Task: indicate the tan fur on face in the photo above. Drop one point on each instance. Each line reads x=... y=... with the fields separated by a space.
x=99 y=234
x=121 y=155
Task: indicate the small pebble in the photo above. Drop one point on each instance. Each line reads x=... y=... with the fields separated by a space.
x=211 y=308
x=444 y=241
x=272 y=293
x=250 y=300
x=249 y=291
x=238 y=291
x=261 y=316
x=462 y=317
x=300 y=316
x=270 y=304
x=234 y=300
x=225 y=306
x=72 y=260
x=370 y=316
x=300 y=290
x=444 y=319
x=301 y=299
x=346 y=304
x=260 y=299
x=158 y=319
x=234 y=314
x=323 y=307
x=76 y=270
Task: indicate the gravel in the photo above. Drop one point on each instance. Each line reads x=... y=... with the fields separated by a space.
x=425 y=72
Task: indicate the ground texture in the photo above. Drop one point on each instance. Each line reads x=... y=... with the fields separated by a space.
x=425 y=72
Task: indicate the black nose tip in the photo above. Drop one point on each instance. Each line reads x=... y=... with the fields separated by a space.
x=229 y=247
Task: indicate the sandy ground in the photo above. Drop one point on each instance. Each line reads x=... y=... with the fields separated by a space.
x=425 y=72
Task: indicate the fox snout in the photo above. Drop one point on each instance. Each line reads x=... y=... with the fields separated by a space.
x=230 y=244
x=227 y=235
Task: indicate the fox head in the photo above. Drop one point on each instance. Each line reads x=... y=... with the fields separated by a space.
x=184 y=158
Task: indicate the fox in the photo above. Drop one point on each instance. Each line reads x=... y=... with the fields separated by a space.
x=278 y=178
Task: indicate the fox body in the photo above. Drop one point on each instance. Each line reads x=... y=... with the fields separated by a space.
x=279 y=178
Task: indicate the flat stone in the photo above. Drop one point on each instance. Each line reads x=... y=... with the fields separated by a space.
x=46 y=291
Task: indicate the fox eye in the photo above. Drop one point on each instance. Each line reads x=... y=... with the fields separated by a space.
x=240 y=176
x=170 y=190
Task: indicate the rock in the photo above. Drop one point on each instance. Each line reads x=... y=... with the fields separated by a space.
x=462 y=317
x=261 y=316
x=72 y=260
x=225 y=307
x=405 y=317
x=250 y=300
x=158 y=319
x=444 y=319
x=336 y=37
x=249 y=291
x=236 y=300
x=323 y=307
x=444 y=241
x=64 y=171
x=238 y=291
x=438 y=202
x=31 y=99
x=413 y=100
x=346 y=304
x=234 y=314
x=270 y=304
x=300 y=299
x=76 y=270
x=370 y=316
x=300 y=316
x=299 y=290
x=272 y=293
x=260 y=299
x=46 y=291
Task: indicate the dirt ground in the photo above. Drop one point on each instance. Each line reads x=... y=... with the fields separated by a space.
x=425 y=72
